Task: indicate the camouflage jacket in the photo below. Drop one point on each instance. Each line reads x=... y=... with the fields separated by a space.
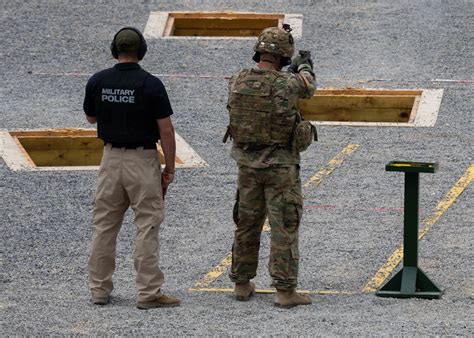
x=289 y=88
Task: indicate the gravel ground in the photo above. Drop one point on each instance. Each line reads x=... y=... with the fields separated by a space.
x=45 y=217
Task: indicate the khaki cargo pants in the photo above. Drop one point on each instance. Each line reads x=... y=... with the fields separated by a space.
x=127 y=177
x=275 y=192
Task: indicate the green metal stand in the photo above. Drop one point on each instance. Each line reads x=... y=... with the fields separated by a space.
x=410 y=281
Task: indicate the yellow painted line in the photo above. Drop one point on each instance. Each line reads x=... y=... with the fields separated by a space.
x=333 y=164
x=218 y=270
x=267 y=291
x=314 y=181
x=395 y=259
x=448 y=200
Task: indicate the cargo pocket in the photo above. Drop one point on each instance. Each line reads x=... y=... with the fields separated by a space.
x=157 y=209
x=293 y=210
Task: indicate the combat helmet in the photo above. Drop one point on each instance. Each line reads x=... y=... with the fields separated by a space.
x=275 y=40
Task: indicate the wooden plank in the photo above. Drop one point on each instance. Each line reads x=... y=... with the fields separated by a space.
x=414 y=109
x=66 y=157
x=227 y=23
x=55 y=133
x=67 y=151
x=355 y=102
x=362 y=105
x=64 y=142
x=236 y=15
x=362 y=91
x=24 y=152
x=169 y=29
x=59 y=143
x=357 y=115
x=216 y=32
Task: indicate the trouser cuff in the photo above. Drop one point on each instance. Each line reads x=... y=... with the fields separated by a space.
x=240 y=279
x=284 y=285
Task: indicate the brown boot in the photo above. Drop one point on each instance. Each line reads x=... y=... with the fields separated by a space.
x=287 y=299
x=162 y=301
x=100 y=300
x=244 y=291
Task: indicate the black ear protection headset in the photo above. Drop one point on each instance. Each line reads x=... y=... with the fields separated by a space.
x=141 y=49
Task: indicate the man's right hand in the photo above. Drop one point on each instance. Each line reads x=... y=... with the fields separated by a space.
x=167 y=176
x=166 y=179
x=303 y=58
x=168 y=145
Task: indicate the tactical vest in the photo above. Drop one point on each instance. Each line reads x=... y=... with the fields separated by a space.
x=256 y=119
x=120 y=106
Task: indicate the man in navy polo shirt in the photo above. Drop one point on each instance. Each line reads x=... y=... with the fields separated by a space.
x=132 y=112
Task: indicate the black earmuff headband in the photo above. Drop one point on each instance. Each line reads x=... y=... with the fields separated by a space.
x=141 y=49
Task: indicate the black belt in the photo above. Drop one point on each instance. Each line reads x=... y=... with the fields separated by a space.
x=132 y=145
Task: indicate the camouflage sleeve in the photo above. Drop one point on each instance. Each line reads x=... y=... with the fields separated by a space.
x=303 y=83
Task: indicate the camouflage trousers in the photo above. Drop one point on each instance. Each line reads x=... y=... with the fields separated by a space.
x=274 y=192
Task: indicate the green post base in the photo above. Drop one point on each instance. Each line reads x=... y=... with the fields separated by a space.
x=410 y=282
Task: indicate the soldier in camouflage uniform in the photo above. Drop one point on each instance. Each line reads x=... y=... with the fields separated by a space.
x=263 y=116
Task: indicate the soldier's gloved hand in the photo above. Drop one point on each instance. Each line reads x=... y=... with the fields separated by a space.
x=303 y=58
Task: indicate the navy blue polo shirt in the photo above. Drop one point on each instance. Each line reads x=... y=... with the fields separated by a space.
x=155 y=95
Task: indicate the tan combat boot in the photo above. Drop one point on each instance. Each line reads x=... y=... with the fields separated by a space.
x=162 y=301
x=287 y=299
x=100 y=300
x=244 y=291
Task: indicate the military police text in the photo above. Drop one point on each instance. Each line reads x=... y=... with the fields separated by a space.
x=118 y=95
